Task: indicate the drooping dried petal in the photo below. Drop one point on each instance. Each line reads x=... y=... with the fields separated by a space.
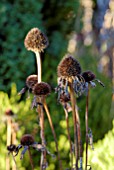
x=88 y=76
x=31 y=81
x=68 y=67
x=35 y=40
x=27 y=140
x=42 y=89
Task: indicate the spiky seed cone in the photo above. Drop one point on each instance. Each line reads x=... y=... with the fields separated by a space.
x=42 y=89
x=27 y=140
x=68 y=67
x=31 y=81
x=9 y=112
x=35 y=40
x=88 y=76
x=11 y=148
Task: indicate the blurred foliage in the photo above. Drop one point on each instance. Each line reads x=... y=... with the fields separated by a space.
x=103 y=156
x=59 y=20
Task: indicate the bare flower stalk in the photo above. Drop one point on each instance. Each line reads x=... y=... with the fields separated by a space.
x=69 y=138
x=30 y=157
x=53 y=131
x=15 y=164
x=38 y=59
x=73 y=103
x=9 y=124
x=86 y=120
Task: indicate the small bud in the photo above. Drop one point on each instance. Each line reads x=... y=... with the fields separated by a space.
x=88 y=76
x=27 y=140
x=68 y=67
x=35 y=40
x=42 y=89
x=9 y=112
x=31 y=81
x=11 y=148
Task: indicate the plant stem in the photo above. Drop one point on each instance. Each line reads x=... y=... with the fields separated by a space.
x=79 y=137
x=9 y=125
x=69 y=138
x=38 y=59
x=15 y=164
x=73 y=103
x=43 y=154
x=86 y=120
x=53 y=131
x=30 y=157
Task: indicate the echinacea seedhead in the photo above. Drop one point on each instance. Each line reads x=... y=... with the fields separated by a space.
x=11 y=148
x=27 y=140
x=35 y=40
x=31 y=81
x=42 y=89
x=88 y=76
x=9 y=112
x=68 y=67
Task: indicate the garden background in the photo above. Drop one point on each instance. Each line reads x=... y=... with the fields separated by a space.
x=85 y=29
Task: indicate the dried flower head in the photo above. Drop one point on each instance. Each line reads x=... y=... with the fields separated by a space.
x=88 y=76
x=68 y=67
x=35 y=40
x=42 y=89
x=31 y=81
x=27 y=140
x=9 y=112
x=11 y=148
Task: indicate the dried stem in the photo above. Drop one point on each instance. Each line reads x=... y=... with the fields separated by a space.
x=69 y=138
x=15 y=164
x=30 y=157
x=43 y=153
x=9 y=124
x=86 y=120
x=53 y=131
x=73 y=103
x=38 y=59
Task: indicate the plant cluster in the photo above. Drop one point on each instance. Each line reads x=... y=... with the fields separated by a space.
x=72 y=82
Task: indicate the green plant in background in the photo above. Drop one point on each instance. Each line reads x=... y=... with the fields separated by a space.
x=102 y=156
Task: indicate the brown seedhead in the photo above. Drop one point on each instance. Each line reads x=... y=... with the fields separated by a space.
x=68 y=67
x=27 y=140
x=31 y=81
x=35 y=40
x=42 y=89
x=88 y=76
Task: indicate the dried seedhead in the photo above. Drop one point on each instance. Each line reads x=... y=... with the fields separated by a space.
x=41 y=89
x=27 y=140
x=9 y=112
x=88 y=76
x=68 y=67
x=35 y=40
x=31 y=81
